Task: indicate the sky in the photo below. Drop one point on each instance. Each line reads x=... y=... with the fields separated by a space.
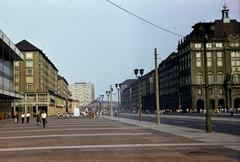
x=94 y=41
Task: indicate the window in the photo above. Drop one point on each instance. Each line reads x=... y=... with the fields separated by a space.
x=220 y=78
x=29 y=71
x=199 y=78
x=210 y=78
x=29 y=55
x=219 y=59
x=209 y=59
x=220 y=91
x=29 y=86
x=236 y=78
x=235 y=58
x=29 y=79
x=17 y=88
x=197 y=45
x=232 y=44
x=209 y=45
x=16 y=71
x=16 y=63
x=198 y=59
x=29 y=63
x=219 y=45
x=199 y=91
x=17 y=79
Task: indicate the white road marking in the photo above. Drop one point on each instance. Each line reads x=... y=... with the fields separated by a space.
x=77 y=135
x=110 y=146
x=70 y=129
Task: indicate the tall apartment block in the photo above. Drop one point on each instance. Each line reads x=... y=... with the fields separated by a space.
x=83 y=92
x=8 y=54
x=37 y=78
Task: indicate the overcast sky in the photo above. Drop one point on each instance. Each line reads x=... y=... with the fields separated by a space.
x=93 y=40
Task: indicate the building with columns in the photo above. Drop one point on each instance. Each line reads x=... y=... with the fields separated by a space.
x=36 y=77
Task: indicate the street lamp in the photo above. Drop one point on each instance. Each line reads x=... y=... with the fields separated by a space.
x=97 y=108
x=109 y=94
x=139 y=73
x=101 y=101
x=118 y=87
x=206 y=32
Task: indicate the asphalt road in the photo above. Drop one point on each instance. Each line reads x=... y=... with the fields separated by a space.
x=101 y=140
x=222 y=124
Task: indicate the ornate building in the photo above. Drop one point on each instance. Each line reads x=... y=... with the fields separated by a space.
x=211 y=51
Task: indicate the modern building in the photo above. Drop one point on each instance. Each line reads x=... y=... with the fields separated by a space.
x=37 y=78
x=8 y=54
x=211 y=51
x=83 y=92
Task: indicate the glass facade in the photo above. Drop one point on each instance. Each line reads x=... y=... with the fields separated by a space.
x=8 y=54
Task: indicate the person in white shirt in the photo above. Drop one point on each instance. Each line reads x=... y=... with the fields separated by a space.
x=23 y=117
x=44 y=117
x=28 y=117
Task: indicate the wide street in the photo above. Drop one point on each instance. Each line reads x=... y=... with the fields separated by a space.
x=112 y=139
x=220 y=123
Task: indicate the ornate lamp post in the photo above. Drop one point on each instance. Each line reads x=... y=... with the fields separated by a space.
x=101 y=101
x=118 y=87
x=109 y=94
x=139 y=73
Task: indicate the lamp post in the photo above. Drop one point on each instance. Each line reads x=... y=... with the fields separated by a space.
x=118 y=87
x=139 y=73
x=156 y=87
x=207 y=31
x=98 y=100
x=109 y=94
x=101 y=101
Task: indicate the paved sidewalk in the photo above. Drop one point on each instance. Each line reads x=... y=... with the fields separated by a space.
x=226 y=140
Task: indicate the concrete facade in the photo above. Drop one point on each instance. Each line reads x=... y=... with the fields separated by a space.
x=83 y=92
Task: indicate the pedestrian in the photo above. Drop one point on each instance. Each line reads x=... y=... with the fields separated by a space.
x=38 y=118
x=16 y=118
x=28 y=117
x=44 y=118
x=23 y=117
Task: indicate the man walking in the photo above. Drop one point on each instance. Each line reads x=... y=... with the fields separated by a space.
x=23 y=117
x=28 y=117
x=44 y=117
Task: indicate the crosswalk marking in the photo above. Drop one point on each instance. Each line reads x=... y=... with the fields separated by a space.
x=70 y=129
x=110 y=146
x=77 y=135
